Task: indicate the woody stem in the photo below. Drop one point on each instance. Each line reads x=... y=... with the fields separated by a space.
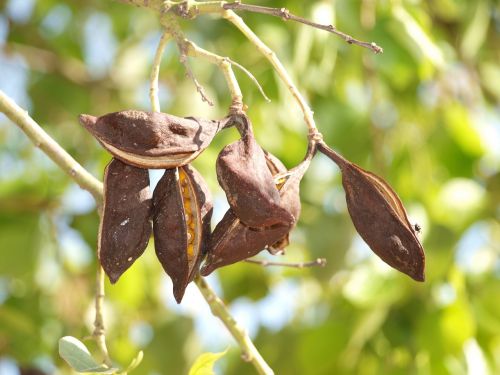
x=99 y=331
x=219 y=309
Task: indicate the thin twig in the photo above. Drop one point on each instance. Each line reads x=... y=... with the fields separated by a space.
x=285 y=14
x=155 y=72
x=251 y=76
x=319 y=262
x=225 y=66
x=224 y=63
x=219 y=309
x=173 y=29
x=50 y=147
x=184 y=61
x=99 y=331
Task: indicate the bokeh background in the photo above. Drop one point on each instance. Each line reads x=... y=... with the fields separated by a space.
x=425 y=115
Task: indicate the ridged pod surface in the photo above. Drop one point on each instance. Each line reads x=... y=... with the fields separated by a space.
x=125 y=226
x=152 y=139
x=380 y=218
x=181 y=224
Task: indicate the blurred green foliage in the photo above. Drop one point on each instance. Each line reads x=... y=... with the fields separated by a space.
x=425 y=115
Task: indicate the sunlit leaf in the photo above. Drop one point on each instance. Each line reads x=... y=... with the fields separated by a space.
x=205 y=362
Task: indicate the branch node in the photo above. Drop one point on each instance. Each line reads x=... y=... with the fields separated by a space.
x=285 y=14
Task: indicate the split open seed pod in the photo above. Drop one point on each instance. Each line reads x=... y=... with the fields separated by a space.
x=244 y=176
x=182 y=209
x=380 y=218
x=152 y=139
x=125 y=225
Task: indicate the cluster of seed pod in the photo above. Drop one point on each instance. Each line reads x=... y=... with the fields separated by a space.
x=263 y=197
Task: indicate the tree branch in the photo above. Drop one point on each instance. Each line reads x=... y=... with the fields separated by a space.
x=51 y=148
x=250 y=352
x=99 y=331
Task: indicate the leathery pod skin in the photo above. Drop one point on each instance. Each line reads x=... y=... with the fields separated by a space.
x=232 y=241
x=380 y=217
x=152 y=140
x=125 y=226
x=181 y=224
x=244 y=175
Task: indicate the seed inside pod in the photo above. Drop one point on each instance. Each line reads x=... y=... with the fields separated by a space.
x=380 y=217
x=152 y=139
x=243 y=174
x=125 y=225
x=181 y=224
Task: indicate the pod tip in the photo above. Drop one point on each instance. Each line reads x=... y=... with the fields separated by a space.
x=179 y=294
x=87 y=120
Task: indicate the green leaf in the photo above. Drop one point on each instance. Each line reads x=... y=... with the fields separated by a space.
x=76 y=354
x=205 y=362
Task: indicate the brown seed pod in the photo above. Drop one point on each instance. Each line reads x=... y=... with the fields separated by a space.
x=380 y=218
x=244 y=176
x=152 y=139
x=125 y=225
x=181 y=224
x=232 y=241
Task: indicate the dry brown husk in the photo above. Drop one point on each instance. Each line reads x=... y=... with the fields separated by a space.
x=243 y=174
x=152 y=139
x=125 y=225
x=380 y=217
